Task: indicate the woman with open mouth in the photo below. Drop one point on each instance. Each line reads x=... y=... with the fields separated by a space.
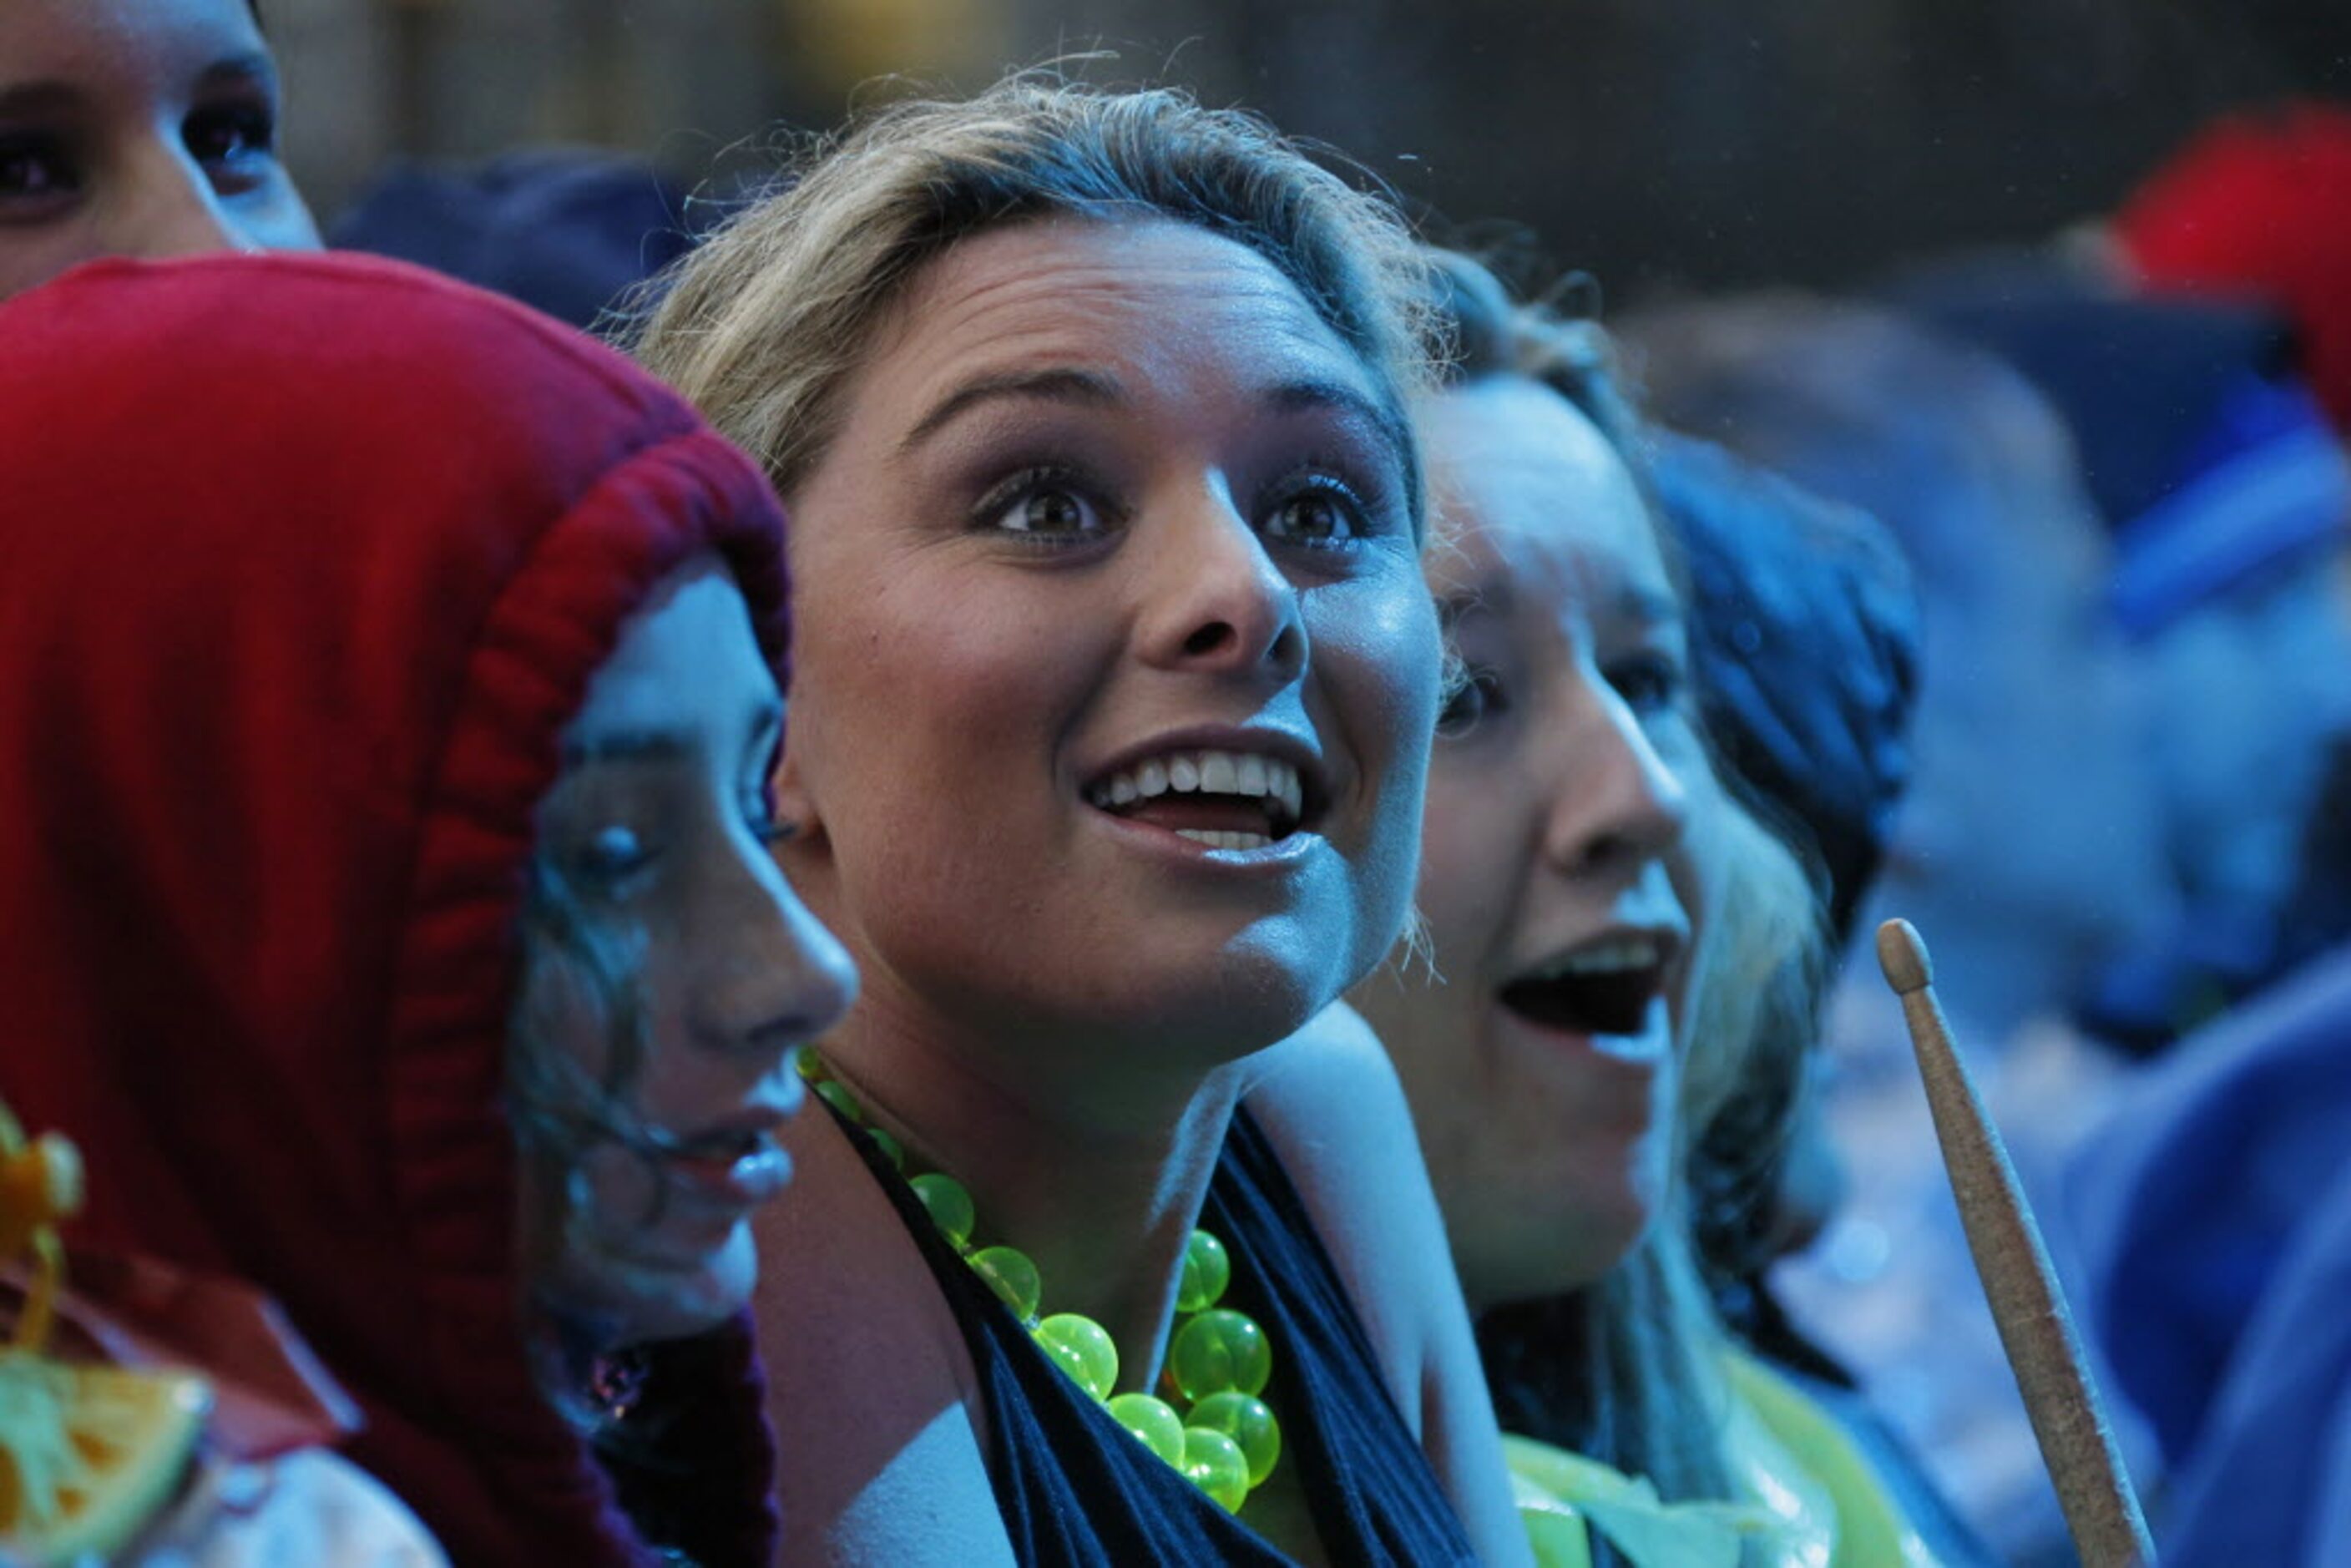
x=1601 y=923
x=1115 y=679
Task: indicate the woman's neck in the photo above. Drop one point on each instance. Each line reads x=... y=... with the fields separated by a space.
x=1098 y=1179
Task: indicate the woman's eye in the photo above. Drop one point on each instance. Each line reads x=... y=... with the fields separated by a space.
x=1478 y=696
x=610 y=858
x=230 y=136
x=1322 y=516
x=1044 y=505
x=34 y=173
x=1652 y=684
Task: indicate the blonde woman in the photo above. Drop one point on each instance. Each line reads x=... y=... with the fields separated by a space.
x=1115 y=684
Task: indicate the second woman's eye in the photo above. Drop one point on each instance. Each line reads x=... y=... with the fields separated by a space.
x=1652 y=683
x=1478 y=696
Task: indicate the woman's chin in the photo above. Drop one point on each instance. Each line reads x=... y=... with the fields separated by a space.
x=647 y=1295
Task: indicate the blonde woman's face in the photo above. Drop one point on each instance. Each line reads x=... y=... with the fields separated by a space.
x=1536 y=1042
x=659 y=828
x=1114 y=672
x=139 y=128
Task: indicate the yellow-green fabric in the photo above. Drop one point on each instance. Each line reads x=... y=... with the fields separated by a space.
x=1805 y=1496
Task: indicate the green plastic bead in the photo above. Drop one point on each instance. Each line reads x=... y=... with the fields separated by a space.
x=835 y=1093
x=1008 y=1269
x=1153 y=1423
x=1214 y=1463
x=949 y=1204
x=1084 y=1350
x=1247 y=1420
x=1220 y=1350
x=1207 y=1272
x=891 y=1149
x=809 y=1065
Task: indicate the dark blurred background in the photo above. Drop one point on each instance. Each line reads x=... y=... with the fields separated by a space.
x=1659 y=144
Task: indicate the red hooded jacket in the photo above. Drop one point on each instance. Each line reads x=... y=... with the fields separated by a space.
x=305 y=563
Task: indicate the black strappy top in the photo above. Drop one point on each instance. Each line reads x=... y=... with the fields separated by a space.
x=1075 y=1489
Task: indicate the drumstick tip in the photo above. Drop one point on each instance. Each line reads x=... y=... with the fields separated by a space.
x=1903 y=956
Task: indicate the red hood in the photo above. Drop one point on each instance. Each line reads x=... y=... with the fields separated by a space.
x=2258 y=205
x=308 y=561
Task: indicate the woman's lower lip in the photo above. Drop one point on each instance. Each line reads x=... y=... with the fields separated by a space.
x=1277 y=855
x=746 y=1180
x=1645 y=1050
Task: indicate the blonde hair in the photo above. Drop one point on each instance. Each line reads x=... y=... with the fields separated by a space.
x=762 y=327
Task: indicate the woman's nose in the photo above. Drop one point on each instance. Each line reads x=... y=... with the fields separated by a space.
x=771 y=974
x=172 y=209
x=1218 y=601
x=1617 y=804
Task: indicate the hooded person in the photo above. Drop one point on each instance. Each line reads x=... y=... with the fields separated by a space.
x=338 y=653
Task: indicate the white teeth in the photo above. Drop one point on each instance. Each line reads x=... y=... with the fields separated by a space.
x=1249 y=775
x=1217 y=840
x=1604 y=957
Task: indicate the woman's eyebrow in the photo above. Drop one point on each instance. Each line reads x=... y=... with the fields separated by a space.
x=1086 y=389
x=1337 y=397
x=30 y=99
x=254 y=67
x=1650 y=606
x=656 y=743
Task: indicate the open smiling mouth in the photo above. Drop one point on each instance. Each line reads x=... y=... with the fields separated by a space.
x=1224 y=800
x=1602 y=988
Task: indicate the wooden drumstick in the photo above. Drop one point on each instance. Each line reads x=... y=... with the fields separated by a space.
x=2036 y=1329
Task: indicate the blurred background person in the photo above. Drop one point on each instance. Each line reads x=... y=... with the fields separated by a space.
x=2029 y=848
x=2228 y=495
x=144 y=128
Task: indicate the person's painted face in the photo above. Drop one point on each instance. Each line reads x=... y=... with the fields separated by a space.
x=1536 y=1038
x=658 y=831
x=1114 y=674
x=140 y=128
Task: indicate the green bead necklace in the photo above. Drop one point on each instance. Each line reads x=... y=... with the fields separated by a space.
x=1207 y=1420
